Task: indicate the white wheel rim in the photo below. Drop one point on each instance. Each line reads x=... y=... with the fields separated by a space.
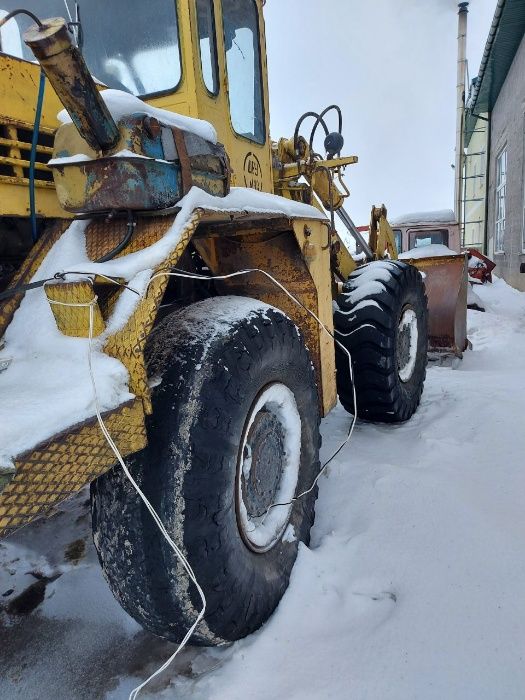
x=407 y=344
x=263 y=529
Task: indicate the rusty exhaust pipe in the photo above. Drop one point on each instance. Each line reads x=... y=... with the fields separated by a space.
x=69 y=76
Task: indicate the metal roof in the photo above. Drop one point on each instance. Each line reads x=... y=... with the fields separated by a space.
x=505 y=36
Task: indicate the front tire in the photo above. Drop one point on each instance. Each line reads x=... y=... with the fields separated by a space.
x=235 y=427
x=381 y=318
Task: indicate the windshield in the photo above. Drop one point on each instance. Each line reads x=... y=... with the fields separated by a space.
x=129 y=45
x=419 y=239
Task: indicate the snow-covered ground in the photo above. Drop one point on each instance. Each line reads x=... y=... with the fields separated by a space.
x=413 y=587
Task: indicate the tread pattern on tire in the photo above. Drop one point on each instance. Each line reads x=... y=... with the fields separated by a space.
x=188 y=475
x=366 y=320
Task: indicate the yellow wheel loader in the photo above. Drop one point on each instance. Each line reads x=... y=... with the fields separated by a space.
x=169 y=280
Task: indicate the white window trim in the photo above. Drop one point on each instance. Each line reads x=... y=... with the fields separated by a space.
x=523 y=223
x=523 y=197
x=499 y=245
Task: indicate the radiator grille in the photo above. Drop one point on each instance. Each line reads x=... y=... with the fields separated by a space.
x=15 y=152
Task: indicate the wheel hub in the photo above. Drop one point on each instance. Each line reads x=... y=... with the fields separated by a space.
x=263 y=454
x=268 y=468
x=407 y=337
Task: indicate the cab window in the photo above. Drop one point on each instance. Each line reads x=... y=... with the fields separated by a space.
x=207 y=44
x=398 y=239
x=243 y=63
x=142 y=57
x=430 y=237
x=131 y=46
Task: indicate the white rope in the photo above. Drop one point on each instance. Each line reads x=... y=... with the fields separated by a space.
x=180 y=556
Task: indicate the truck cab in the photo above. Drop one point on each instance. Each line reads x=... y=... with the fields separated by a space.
x=426 y=228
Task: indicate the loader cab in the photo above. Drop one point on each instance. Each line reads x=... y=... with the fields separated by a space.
x=200 y=58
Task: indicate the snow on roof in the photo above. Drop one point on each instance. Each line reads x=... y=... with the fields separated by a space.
x=122 y=103
x=442 y=216
x=46 y=387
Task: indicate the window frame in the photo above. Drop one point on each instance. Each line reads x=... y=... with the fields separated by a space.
x=215 y=65
x=523 y=194
x=500 y=187
x=252 y=141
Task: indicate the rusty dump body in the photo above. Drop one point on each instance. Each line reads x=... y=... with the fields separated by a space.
x=446 y=280
x=445 y=271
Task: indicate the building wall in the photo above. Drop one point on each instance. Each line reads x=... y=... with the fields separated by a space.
x=508 y=130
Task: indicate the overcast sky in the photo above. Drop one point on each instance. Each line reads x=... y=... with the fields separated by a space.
x=391 y=66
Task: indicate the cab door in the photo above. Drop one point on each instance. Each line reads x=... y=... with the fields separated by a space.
x=233 y=85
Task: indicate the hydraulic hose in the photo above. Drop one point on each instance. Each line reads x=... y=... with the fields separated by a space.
x=32 y=159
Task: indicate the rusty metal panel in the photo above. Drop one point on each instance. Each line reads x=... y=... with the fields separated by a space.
x=156 y=167
x=269 y=247
x=446 y=280
x=61 y=466
x=104 y=234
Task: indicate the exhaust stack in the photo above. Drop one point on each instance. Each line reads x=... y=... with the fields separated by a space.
x=67 y=72
x=460 y=107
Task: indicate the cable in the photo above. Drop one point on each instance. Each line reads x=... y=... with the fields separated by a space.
x=32 y=157
x=320 y=120
x=14 y=13
x=130 y=227
x=68 y=11
x=23 y=288
x=178 y=553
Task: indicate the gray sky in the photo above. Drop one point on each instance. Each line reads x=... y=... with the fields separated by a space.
x=391 y=66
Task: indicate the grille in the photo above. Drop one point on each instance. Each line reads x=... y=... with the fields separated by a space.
x=15 y=152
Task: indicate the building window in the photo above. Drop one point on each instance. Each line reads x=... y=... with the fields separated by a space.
x=501 y=193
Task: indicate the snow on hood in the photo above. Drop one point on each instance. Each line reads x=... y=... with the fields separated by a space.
x=435 y=250
x=122 y=103
x=240 y=199
x=442 y=216
x=46 y=387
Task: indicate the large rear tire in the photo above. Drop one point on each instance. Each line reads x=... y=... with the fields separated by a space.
x=235 y=427
x=381 y=318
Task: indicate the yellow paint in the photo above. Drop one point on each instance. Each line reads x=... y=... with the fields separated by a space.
x=299 y=256
x=382 y=240
x=18 y=95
